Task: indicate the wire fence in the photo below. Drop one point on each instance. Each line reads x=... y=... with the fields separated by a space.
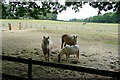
x=81 y=27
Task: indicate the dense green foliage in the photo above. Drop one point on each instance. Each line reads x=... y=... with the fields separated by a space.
x=99 y=4
x=47 y=8
x=105 y=18
x=76 y=20
x=30 y=10
x=0 y=10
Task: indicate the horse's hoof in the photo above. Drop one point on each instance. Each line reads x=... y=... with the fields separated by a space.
x=49 y=60
x=58 y=60
x=74 y=62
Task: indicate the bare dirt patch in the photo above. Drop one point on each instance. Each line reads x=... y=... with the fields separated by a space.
x=27 y=43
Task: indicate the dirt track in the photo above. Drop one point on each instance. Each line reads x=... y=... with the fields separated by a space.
x=26 y=43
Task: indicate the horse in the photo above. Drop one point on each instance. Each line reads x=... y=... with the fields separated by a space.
x=46 y=47
x=84 y=23
x=69 y=50
x=68 y=39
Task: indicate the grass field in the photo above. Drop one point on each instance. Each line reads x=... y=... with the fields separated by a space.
x=98 y=46
x=103 y=32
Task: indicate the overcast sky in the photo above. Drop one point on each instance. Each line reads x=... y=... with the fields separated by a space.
x=85 y=12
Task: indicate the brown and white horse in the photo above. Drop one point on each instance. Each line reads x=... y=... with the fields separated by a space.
x=68 y=39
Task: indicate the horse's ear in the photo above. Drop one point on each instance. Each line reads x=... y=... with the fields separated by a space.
x=44 y=37
x=76 y=36
x=48 y=37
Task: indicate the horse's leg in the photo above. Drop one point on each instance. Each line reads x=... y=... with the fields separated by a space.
x=67 y=57
x=77 y=55
x=59 y=57
x=45 y=56
x=74 y=55
x=62 y=43
x=48 y=56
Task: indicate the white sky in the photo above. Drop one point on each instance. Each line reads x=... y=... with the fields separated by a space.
x=85 y=12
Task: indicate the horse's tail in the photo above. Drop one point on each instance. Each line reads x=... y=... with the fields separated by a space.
x=62 y=41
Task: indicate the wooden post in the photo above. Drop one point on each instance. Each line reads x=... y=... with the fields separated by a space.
x=10 y=27
x=30 y=69
x=20 y=26
x=36 y=25
x=26 y=25
x=31 y=25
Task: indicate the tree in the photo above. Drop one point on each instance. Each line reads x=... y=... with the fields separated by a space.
x=51 y=16
x=0 y=10
x=105 y=18
x=25 y=9
x=31 y=8
x=110 y=17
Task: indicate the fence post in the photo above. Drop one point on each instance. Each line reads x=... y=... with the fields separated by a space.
x=30 y=69
x=26 y=25
x=10 y=27
x=20 y=26
x=36 y=25
x=56 y=27
x=31 y=25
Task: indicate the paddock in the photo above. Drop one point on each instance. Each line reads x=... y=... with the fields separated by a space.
x=98 y=50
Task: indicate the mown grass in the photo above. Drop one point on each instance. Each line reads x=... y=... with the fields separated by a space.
x=86 y=36
x=100 y=32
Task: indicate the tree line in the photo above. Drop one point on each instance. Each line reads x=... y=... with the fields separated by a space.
x=110 y=17
x=48 y=9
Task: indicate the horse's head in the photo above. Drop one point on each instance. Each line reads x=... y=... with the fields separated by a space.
x=46 y=40
x=75 y=39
